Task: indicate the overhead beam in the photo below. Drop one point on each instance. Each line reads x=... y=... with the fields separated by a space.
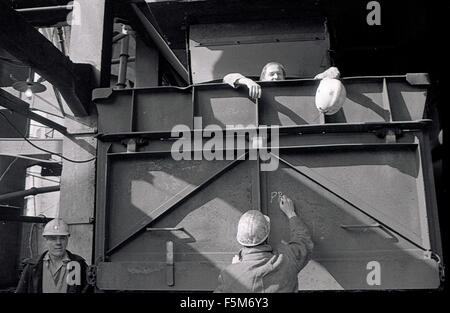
x=19 y=106
x=21 y=147
x=26 y=44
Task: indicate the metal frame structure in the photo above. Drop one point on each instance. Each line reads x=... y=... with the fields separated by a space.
x=390 y=133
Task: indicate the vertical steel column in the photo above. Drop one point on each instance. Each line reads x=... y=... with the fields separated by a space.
x=90 y=42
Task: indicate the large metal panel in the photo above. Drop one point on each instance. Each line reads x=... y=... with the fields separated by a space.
x=365 y=196
x=380 y=99
x=141 y=187
x=156 y=110
x=364 y=103
x=218 y=49
x=407 y=101
x=289 y=103
x=384 y=185
x=284 y=103
x=145 y=109
x=221 y=105
x=209 y=218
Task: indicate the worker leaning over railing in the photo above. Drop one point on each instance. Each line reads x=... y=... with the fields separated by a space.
x=260 y=268
x=57 y=270
x=330 y=94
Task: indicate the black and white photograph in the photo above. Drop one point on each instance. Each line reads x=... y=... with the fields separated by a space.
x=213 y=153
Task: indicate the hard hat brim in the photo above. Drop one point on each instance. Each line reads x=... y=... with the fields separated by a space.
x=56 y=234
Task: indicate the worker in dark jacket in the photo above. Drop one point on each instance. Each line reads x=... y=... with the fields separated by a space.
x=260 y=268
x=56 y=270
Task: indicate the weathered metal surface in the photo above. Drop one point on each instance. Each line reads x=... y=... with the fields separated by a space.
x=364 y=198
x=209 y=219
x=147 y=64
x=221 y=105
x=219 y=49
x=168 y=183
x=284 y=103
x=161 y=111
x=145 y=109
x=383 y=183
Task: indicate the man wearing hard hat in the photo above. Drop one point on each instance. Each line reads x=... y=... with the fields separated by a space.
x=260 y=268
x=57 y=270
x=330 y=95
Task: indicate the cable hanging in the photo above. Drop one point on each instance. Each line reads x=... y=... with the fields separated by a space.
x=42 y=149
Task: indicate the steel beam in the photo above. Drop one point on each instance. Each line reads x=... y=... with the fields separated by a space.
x=161 y=44
x=21 y=147
x=27 y=45
x=21 y=107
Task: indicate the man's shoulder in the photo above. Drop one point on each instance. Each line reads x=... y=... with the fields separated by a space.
x=35 y=260
x=30 y=261
x=75 y=257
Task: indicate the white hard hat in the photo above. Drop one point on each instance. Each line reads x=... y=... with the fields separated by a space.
x=330 y=96
x=56 y=227
x=253 y=228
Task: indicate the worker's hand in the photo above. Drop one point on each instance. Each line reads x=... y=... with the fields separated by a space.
x=332 y=72
x=287 y=206
x=254 y=90
x=236 y=259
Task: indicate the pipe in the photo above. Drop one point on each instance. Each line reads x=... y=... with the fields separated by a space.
x=25 y=219
x=118 y=37
x=3 y=206
x=123 y=62
x=28 y=192
x=46 y=9
x=161 y=44
x=117 y=61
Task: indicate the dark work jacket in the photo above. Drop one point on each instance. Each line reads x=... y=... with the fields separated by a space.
x=262 y=269
x=31 y=278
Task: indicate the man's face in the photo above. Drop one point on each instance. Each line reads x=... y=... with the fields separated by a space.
x=56 y=245
x=273 y=72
